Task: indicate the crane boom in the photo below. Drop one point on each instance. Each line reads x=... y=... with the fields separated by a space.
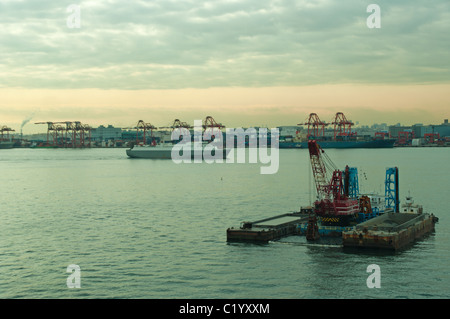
x=333 y=204
x=319 y=170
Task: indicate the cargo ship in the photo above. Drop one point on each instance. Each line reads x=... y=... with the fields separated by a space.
x=342 y=135
x=6 y=144
x=148 y=151
x=164 y=151
x=365 y=142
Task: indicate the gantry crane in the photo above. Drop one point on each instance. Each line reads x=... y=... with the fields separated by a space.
x=178 y=127
x=212 y=128
x=58 y=135
x=5 y=129
x=342 y=126
x=145 y=127
x=53 y=131
x=316 y=127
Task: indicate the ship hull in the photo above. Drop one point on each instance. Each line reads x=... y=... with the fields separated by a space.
x=165 y=153
x=290 y=145
x=6 y=145
x=337 y=220
x=392 y=231
x=152 y=154
x=388 y=143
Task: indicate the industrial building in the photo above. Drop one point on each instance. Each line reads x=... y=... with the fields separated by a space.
x=419 y=130
x=109 y=133
x=419 y=134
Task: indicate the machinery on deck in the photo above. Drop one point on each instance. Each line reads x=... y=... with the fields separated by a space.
x=334 y=206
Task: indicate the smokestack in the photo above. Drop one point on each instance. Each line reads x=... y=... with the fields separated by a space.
x=24 y=122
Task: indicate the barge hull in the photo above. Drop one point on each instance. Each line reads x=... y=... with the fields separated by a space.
x=265 y=230
x=386 y=231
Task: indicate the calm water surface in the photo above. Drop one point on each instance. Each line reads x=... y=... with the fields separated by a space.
x=154 y=229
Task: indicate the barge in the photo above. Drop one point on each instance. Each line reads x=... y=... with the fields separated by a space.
x=268 y=229
x=392 y=231
x=360 y=220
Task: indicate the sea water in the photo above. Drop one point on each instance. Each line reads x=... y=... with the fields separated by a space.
x=140 y=228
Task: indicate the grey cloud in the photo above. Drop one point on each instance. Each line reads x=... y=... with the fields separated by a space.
x=176 y=44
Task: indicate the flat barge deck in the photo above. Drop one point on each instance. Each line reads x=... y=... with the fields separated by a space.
x=265 y=230
x=391 y=231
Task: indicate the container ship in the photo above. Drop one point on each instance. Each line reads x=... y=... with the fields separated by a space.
x=343 y=137
x=361 y=142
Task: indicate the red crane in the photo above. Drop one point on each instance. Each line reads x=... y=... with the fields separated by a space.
x=52 y=133
x=179 y=124
x=213 y=126
x=333 y=205
x=145 y=127
x=80 y=133
x=316 y=127
x=58 y=135
x=342 y=126
x=178 y=127
x=6 y=129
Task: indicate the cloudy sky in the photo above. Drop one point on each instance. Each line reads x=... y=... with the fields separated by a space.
x=244 y=62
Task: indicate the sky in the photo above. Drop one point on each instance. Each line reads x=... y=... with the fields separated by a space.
x=244 y=62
